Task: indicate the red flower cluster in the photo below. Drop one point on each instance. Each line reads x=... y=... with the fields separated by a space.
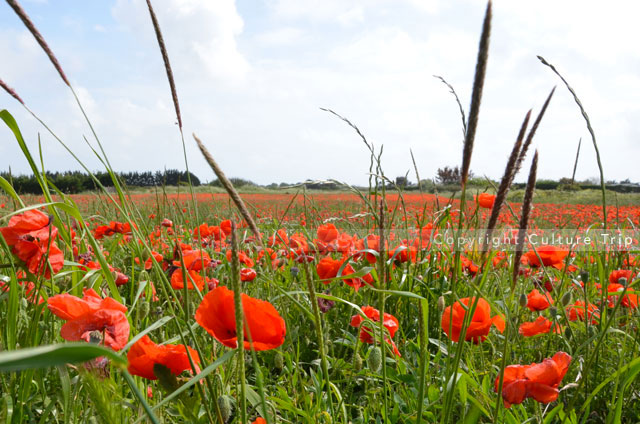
x=366 y=336
x=538 y=381
x=32 y=239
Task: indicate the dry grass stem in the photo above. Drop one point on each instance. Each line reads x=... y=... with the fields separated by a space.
x=39 y=38
x=476 y=96
x=10 y=91
x=167 y=64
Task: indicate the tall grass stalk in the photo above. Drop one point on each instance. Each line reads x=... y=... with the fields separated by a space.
x=575 y=164
x=322 y=352
x=239 y=313
x=524 y=219
x=593 y=138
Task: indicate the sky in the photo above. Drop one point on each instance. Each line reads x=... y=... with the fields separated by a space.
x=252 y=76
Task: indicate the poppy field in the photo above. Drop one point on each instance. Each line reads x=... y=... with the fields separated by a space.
x=312 y=297
x=360 y=306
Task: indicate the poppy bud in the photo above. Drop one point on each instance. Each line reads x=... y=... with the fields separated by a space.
x=553 y=311
x=278 y=361
x=566 y=299
x=584 y=276
x=441 y=303
x=523 y=300
x=568 y=333
x=622 y=280
x=145 y=308
x=159 y=311
x=357 y=362
x=226 y=409
x=374 y=360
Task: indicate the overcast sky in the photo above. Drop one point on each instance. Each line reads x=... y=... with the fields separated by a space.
x=252 y=74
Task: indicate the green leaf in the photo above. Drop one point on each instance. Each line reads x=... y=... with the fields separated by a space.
x=56 y=354
x=4 y=184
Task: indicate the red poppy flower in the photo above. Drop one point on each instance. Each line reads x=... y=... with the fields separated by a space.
x=550 y=255
x=538 y=381
x=225 y=226
x=537 y=301
x=327 y=233
x=259 y=420
x=89 y=314
x=144 y=354
x=177 y=279
x=31 y=238
x=577 y=312
x=630 y=299
x=243 y=258
x=328 y=268
x=486 y=200
x=216 y=314
x=167 y=223
x=149 y=263
x=248 y=274
x=366 y=336
x=540 y=326
x=618 y=274
x=194 y=260
x=452 y=320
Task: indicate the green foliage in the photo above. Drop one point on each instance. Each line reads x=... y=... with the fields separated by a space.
x=71 y=182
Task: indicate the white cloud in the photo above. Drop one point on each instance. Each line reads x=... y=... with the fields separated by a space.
x=192 y=29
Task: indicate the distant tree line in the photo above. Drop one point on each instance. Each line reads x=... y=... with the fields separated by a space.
x=75 y=181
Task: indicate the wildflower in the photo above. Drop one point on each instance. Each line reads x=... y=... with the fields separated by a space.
x=538 y=381
x=325 y=305
x=89 y=314
x=537 y=301
x=328 y=268
x=248 y=274
x=366 y=336
x=216 y=314
x=577 y=312
x=550 y=255
x=144 y=354
x=629 y=300
x=486 y=200
x=480 y=324
x=193 y=277
x=540 y=326
x=32 y=239
x=616 y=275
